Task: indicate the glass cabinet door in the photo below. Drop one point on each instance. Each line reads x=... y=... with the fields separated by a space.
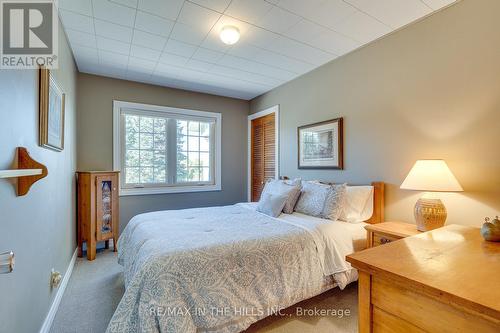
x=105 y=202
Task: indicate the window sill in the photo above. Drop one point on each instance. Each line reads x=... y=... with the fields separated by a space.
x=167 y=190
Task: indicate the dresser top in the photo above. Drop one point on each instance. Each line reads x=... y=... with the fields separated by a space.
x=453 y=262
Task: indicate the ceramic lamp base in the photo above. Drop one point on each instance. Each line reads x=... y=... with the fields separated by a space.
x=430 y=213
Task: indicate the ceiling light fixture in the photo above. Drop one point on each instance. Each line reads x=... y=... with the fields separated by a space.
x=229 y=34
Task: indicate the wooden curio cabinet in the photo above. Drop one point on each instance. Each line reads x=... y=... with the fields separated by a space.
x=98 y=218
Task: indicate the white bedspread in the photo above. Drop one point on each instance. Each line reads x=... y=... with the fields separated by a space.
x=220 y=269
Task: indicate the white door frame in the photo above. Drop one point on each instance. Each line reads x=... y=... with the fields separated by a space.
x=273 y=109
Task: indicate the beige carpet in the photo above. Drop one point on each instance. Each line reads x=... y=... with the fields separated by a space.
x=96 y=287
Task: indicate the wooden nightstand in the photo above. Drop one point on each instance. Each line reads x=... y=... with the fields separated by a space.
x=386 y=232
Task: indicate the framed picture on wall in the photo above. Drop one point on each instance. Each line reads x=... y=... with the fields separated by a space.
x=320 y=145
x=51 y=99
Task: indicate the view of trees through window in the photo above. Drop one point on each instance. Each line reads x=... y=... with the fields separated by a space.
x=147 y=148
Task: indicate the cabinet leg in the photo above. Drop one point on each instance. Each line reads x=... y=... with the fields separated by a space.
x=115 y=246
x=80 y=250
x=106 y=244
x=91 y=250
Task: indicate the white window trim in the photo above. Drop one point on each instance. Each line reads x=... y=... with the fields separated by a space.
x=117 y=154
x=273 y=109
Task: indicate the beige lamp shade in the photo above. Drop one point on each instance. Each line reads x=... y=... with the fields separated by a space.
x=431 y=176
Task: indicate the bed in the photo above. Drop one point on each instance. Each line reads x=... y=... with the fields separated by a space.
x=220 y=269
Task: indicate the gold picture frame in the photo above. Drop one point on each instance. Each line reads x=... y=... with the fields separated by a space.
x=51 y=113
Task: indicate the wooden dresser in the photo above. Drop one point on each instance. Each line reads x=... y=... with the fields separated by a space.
x=444 y=280
x=98 y=218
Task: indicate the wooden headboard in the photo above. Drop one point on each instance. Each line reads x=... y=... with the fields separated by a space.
x=378 y=203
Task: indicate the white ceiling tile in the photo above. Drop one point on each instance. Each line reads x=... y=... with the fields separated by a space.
x=213 y=42
x=86 y=54
x=111 y=58
x=140 y=75
x=176 y=72
x=243 y=75
x=207 y=55
x=248 y=10
x=128 y=3
x=172 y=59
x=179 y=48
x=112 y=12
x=110 y=70
x=244 y=50
x=394 y=13
x=305 y=30
x=198 y=65
x=113 y=31
x=197 y=16
x=260 y=37
x=188 y=34
x=81 y=38
x=254 y=67
x=81 y=6
x=283 y=62
x=217 y=5
x=138 y=64
x=438 y=4
x=334 y=42
x=153 y=24
x=151 y=41
x=270 y=71
x=300 y=51
x=362 y=27
x=85 y=66
x=303 y=8
x=278 y=20
x=166 y=8
x=76 y=21
x=332 y=11
x=144 y=53
x=113 y=45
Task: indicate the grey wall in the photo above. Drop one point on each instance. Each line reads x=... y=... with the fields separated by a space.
x=431 y=90
x=38 y=227
x=95 y=139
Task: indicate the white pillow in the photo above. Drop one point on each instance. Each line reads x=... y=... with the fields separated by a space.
x=312 y=198
x=271 y=204
x=358 y=205
x=280 y=187
x=335 y=201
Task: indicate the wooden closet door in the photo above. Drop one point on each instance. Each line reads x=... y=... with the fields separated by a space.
x=263 y=153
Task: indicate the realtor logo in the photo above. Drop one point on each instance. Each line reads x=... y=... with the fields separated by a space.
x=29 y=34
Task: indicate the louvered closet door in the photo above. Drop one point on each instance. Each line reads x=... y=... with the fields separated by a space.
x=263 y=153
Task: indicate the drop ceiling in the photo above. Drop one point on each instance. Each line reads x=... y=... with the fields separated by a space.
x=176 y=43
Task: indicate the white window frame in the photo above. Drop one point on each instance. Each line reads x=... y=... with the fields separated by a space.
x=172 y=188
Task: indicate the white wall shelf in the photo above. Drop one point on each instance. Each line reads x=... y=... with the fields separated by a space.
x=20 y=173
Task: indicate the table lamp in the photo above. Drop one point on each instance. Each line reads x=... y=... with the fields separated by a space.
x=430 y=176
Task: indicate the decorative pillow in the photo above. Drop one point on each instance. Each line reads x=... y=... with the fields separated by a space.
x=358 y=204
x=271 y=204
x=279 y=187
x=334 y=203
x=312 y=198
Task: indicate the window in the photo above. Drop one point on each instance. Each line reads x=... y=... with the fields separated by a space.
x=166 y=150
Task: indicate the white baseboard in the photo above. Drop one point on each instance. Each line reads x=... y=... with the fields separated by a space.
x=47 y=323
